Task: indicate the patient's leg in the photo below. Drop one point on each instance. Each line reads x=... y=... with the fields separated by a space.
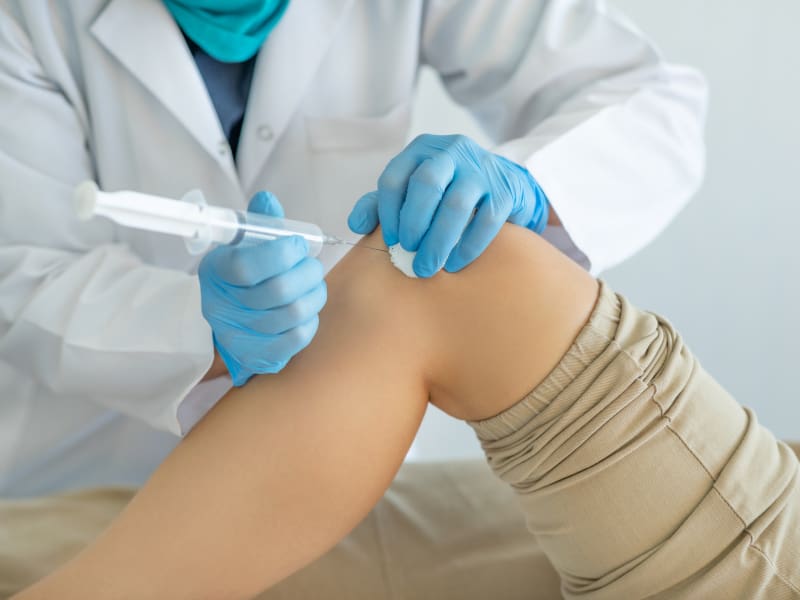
x=283 y=468
x=638 y=474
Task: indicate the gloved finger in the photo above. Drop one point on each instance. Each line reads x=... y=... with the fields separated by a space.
x=283 y=318
x=236 y=370
x=260 y=366
x=266 y=203
x=519 y=189
x=526 y=201
x=480 y=232
x=287 y=344
x=282 y=289
x=522 y=216
x=426 y=188
x=245 y=266
x=363 y=218
x=255 y=361
x=448 y=225
x=392 y=186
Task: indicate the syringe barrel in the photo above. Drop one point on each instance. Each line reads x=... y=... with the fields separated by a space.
x=254 y=228
x=198 y=223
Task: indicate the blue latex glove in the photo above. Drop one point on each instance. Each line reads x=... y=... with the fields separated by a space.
x=428 y=193
x=261 y=301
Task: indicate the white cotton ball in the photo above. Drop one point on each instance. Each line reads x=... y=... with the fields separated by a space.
x=403 y=260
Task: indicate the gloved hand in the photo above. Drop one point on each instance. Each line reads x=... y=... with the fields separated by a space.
x=428 y=193
x=261 y=301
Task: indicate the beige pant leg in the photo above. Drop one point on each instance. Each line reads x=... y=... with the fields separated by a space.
x=38 y=535
x=443 y=531
x=641 y=477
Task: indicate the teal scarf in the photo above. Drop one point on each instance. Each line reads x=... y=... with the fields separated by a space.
x=230 y=31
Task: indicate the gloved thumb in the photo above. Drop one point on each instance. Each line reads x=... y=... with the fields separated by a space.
x=266 y=203
x=363 y=218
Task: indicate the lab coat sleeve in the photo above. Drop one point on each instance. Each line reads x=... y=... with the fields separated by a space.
x=571 y=90
x=81 y=314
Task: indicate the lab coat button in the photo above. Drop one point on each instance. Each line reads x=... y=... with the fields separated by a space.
x=223 y=148
x=265 y=133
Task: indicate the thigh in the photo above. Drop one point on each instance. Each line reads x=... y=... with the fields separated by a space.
x=443 y=531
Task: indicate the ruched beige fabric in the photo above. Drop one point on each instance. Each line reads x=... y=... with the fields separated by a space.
x=641 y=477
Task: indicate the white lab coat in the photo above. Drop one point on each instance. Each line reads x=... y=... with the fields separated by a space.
x=101 y=337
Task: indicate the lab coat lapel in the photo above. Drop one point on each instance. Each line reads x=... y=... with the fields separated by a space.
x=285 y=67
x=142 y=35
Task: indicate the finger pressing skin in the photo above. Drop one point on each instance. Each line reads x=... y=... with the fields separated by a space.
x=392 y=186
x=483 y=228
x=426 y=188
x=448 y=225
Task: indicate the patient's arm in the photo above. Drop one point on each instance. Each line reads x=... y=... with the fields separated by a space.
x=283 y=468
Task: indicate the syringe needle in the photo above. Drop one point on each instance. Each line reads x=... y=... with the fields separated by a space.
x=357 y=245
x=335 y=241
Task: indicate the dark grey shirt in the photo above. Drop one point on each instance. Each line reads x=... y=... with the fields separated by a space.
x=228 y=85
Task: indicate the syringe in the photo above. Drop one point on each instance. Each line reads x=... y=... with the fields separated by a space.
x=199 y=224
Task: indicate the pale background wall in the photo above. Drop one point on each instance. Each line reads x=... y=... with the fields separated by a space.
x=726 y=271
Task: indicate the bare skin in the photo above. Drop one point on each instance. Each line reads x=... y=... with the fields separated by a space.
x=283 y=468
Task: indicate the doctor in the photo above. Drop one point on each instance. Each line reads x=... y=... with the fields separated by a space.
x=111 y=344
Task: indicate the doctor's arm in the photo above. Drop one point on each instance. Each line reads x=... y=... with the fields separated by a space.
x=76 y=304
x=571 y=90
